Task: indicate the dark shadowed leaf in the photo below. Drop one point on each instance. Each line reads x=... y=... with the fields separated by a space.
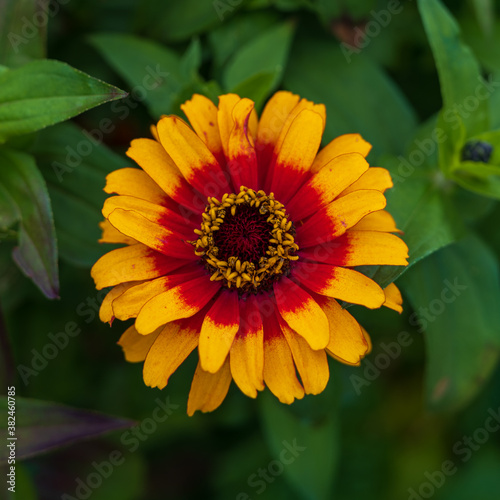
x=455 y=294
x=43 y=93
x=266 y=53
x=358 y=95
x=75 y=166
x=310 y=438
x=21 y=40
x=149 y=68
x=36 y=253
x=42 y=426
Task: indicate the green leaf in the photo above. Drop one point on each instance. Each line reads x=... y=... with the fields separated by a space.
x=455 y=294
x=266 y=53
x=312 y=464
x=75 y=163
x=459 y=73
x=22 y=36
x=191 y=61
x=359 y=96
x=485 y=14
x=42 y=426
x=256 y=88
x=177 y=21
x=42 y=93
x=423 y=209
x=36 y=253
x=149 y=68
x=228 y=39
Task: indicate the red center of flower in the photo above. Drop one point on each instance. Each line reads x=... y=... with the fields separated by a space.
x=245 y=234
x=246 y=240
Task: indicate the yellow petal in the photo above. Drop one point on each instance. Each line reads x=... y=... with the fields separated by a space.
x=274 y=115
x=106 y=312
x=218 y=330
x=202 y=114
x=136 y=347
x=173 y=345
x=181 y=301
x=111 y=235
x=339 y=283
x=151 y=156
x=301 y=312
x=312 y=365
x=295 y=153
x=347 y=143
x=208 y=390
x=247 y=351
x=347 y=342
x=380 y=220
x=132 y=263
x=393 y=298
x=134 y=182
x=192 y=157
x=279 y=370
x=374 y=178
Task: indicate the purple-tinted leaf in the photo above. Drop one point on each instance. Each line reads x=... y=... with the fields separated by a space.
x=42 y=426
x=36 y=253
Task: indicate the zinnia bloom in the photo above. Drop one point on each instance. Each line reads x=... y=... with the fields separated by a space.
x=239 y=240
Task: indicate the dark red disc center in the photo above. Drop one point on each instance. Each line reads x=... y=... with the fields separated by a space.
x=244 y=235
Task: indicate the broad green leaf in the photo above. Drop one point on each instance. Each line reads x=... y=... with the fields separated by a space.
x=266 y=53
x=423 y=209
x=36 y=253
x=177 y=21
x=42 y=426
x=455 y=295
x=310 y=467
x=359 y=96
x=43 y=93
x=227 y=39
x=256 y=88
x=75 y=163
x=485 y=14
x=153 y=71
x=462 y=87
x=191 y=61
x=23 y=30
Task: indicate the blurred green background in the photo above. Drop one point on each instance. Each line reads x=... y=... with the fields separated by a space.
x=419 y=417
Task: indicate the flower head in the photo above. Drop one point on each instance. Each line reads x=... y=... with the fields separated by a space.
x=239 y=240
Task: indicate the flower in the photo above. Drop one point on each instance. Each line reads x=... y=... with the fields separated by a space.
x=239 y=240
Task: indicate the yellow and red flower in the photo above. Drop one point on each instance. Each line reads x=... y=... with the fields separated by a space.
x=239 y=240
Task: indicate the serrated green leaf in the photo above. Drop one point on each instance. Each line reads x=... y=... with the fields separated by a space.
x=75 y=164
x=42 y=426
x=455 y=294
x=266 y=53
x=36 y=253
x=359 y=96
x=42 y=93
x=22 y=36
